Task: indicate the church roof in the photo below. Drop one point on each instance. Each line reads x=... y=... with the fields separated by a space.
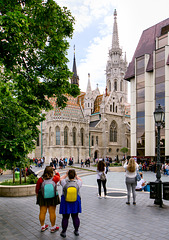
x=146 y=45
x=94 y=123
x=97 y=103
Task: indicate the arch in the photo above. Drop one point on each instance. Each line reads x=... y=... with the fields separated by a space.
x=113 y=131
x=66 y=135
x=96 y=154
x=82 y=136
x=57 y=130
x=74 y=136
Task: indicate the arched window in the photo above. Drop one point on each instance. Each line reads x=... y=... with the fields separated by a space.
x=115 y=85
x=74 y=136
x=121 y=85
x=82 y=136
x=109 y=86
x=57 y=136
x=116 y=109
x=110 y=108
x=92 y=140
x=97 y=140
x=49 y=136
x=113 y=132
x=66 y=136
x=113 y=106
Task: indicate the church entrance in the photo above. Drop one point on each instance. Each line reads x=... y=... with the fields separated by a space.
x=96 y=154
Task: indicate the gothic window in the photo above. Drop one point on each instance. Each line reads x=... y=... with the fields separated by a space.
x=49 y=136
x=113 y=132
x=57 y=136
x=116 y=109
x=110 y=108
x=88 y=104
x=92 y=140
x=121 y=99
x=37 y=141
x=66 y=136
x=109 y=86
x=74 y=136
x=121 y=85
x=115 y=85
x=113 y=106
x=82 y=136
x=97 y=140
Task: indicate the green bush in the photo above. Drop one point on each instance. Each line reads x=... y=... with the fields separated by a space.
x=32 y=179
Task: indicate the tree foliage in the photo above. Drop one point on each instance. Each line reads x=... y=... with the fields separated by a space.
x=124 y=150
x=33 y=62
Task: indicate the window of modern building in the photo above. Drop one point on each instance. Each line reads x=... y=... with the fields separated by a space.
x=74 y=136
x=66 y=136
x=113 y=132
x=57 y=136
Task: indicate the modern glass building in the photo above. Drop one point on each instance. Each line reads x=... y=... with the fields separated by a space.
x=148 y=73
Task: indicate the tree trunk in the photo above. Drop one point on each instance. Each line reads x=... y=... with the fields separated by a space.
x=13 y=174
x=25 y=174
x=20 y=176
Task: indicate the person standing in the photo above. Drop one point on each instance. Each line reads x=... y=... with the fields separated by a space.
x=101 y=178
x=48 y=203
x=131 y=181
x=70 y=201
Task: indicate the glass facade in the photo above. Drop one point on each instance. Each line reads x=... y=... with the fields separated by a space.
x=140 y=106
x=160 y=87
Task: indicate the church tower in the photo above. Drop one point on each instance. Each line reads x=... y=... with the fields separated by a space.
x=89 y=99
x=75 y=77
x=116 y=67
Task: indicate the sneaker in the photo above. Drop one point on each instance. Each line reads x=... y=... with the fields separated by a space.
x=134 y=203
x=63 y=234
x=76 y=233
x=128 y=203
x=105 y=196
x=44 y=228
x=52 y=230
x=99 y=197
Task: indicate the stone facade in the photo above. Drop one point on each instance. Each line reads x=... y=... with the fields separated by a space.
x=92 y=125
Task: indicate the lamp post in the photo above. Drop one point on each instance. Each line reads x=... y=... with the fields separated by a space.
x=159 y=120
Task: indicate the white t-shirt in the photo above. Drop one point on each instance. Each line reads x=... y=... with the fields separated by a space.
x=130 y=174
x=139 y=184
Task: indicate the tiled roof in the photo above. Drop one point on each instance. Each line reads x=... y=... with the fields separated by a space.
x=97 y=103
x=146 y=45
x=94 y=123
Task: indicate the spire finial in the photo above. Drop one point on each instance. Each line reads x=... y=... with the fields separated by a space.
x=115 y=40
x=115 y=13
x=74 y=49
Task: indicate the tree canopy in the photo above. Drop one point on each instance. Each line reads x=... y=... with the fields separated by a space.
x=33 y=67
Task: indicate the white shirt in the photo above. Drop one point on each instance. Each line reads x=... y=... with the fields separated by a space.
x=130 y=174
x=139 y=184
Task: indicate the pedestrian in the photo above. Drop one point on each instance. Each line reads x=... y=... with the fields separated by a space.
x=131 y=181
x=70 y=201
x=47 y=197
x=101 y=178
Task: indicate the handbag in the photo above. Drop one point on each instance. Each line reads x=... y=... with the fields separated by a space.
x=103 y=177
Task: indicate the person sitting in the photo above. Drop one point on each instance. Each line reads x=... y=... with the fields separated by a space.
x=141 y=184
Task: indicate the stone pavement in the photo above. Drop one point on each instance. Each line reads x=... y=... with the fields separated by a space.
x=101 y=219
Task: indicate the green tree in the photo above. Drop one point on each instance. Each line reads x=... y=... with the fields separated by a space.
x=124 y=150
x=33 y=48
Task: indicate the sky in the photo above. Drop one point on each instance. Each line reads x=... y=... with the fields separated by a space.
x=94 y=27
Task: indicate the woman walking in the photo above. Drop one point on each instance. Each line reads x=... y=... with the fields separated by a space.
x=101 y=178
x=131 y=181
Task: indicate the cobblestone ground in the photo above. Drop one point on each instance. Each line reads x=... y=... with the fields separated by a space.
x=101 y=219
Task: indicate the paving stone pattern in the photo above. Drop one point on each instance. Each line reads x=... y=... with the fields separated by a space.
x=101 y=219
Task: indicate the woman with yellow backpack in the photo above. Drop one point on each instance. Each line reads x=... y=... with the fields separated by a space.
x=70 y=201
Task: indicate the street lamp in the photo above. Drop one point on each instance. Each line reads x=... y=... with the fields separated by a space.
x=159 y=120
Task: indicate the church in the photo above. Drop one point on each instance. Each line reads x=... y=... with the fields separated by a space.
x=92 y=124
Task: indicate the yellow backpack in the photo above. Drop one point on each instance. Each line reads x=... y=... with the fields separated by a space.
x=71 y=191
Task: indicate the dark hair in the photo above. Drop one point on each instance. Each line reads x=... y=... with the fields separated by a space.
x=71 y=174
x=48 y=173
x=100 y=166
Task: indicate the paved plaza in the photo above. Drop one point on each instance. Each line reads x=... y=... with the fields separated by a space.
x=101 y=219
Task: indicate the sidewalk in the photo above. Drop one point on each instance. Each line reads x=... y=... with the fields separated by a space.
x=101 y=219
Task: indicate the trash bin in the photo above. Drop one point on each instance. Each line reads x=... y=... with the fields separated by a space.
x=17 y=175
x=153 y=190
x=166 y=190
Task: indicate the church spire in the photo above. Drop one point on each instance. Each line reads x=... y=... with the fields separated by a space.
x=115 y=39
x=89 y=89
x=75 y=77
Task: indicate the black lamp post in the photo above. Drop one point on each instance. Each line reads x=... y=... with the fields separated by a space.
x=159 y=120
